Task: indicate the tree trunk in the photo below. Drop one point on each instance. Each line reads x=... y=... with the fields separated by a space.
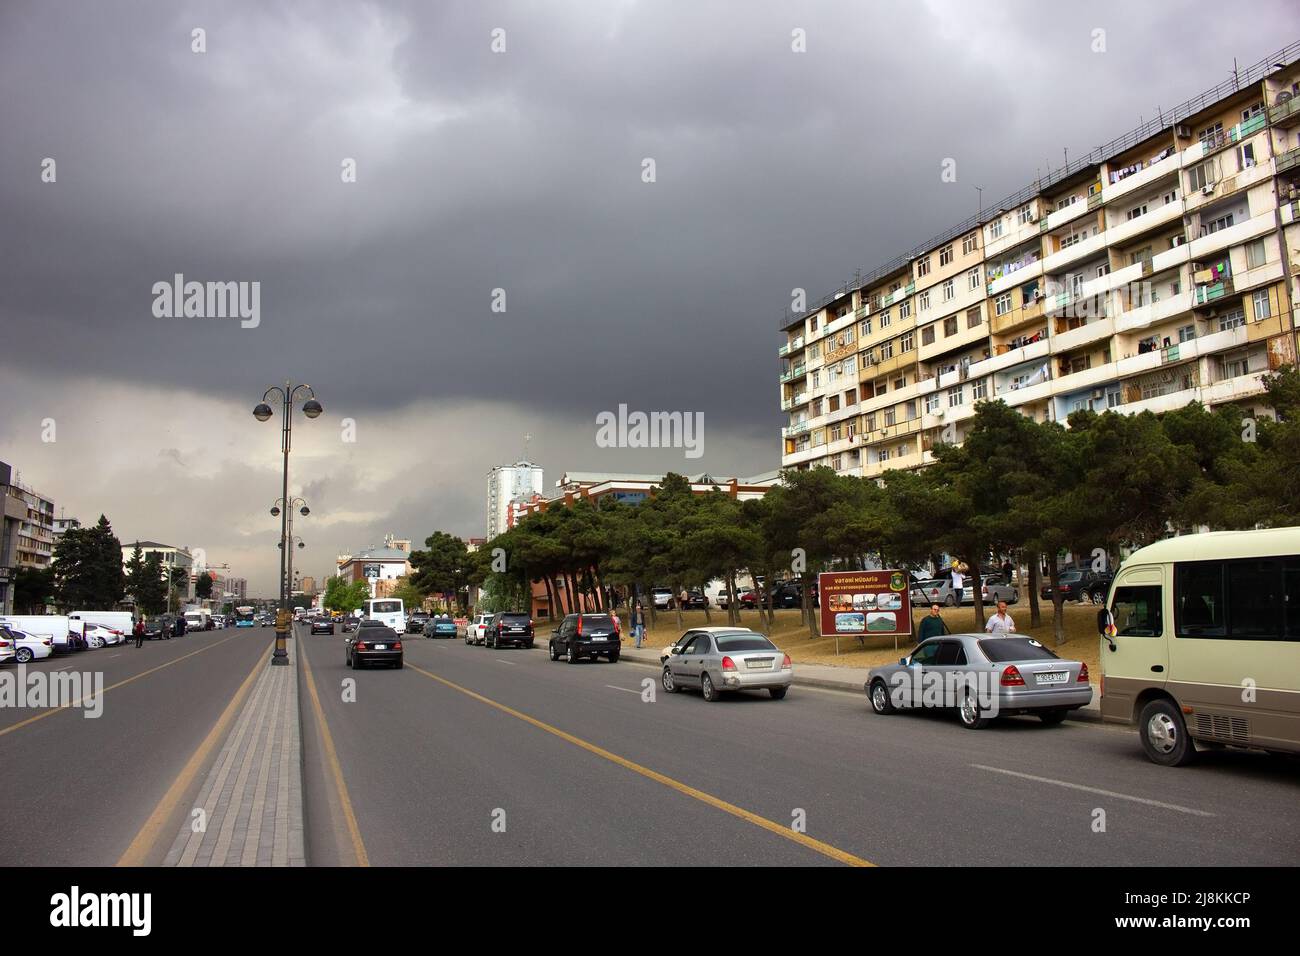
x=805 y=597
x=733 y=612
x=550 y=595
x=1058 y=602
x=708 y=619
x=1035 y=612
x=976 y=584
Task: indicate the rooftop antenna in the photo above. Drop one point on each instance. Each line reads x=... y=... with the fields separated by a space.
x=1236 y=81
x=528 y=436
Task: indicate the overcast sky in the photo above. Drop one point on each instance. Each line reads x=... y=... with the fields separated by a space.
x=478 y=170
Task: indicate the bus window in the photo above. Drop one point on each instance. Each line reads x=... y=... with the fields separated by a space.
x=1136 y=609
x=1253 y=595
x=1198 y=599
x=1291 y=597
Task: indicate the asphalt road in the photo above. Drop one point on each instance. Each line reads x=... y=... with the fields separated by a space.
x=582 y=770
x=77 y=790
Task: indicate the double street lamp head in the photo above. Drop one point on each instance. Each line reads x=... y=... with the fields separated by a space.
x=262 y=412
x=312 y=408
x=275 y=511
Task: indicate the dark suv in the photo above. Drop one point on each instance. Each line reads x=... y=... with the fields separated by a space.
x=790 y=594
x=1076 y=583
x=586 y=635
x=509 y=627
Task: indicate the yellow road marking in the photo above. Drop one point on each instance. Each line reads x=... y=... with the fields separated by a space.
x=802 y=839
x=121 y=683
x=331 y=755
x=138 y=851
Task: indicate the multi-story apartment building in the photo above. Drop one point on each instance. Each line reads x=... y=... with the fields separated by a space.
x=1157 y=270
x=508 y=486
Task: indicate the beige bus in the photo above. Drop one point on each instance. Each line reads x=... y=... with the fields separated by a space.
x=1200 y=641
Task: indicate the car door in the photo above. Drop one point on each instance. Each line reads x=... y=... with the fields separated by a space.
x=697 y=656
x=949 y=661
x=685 y=666
x=923 y=658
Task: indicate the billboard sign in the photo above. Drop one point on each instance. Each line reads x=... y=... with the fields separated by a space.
x=865 y=603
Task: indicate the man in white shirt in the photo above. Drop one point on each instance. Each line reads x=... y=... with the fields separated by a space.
x=957 y=582
x=1000 y=624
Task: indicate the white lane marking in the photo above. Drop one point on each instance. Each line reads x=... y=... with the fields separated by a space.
x=626 y=689
x=111 y=656
x=1097 y=790
x=500 y=661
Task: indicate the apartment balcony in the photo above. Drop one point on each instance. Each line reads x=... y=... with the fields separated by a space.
x=1011 y=238
x=1008 y=356
x=1143 y=177
x=1291 y=212
x=1260 y=275
x=1064 y=383
x=1285 y=114
x=889 y=366
x=794 y=345
x=1130 y=229
x=803 y=454
x=1251 y=176
x=1287 y=161
x=892 y=432
x=797 y=372
x=1061 y=216
x=1233 y=389
x=792 y=403
x=1080 y=250
x=1113 y=280
x=791 y=430
x=1171 y=258
x=1021 y=271
x=1101 y=328
x=1030 y=393
x=1135 y=319
x=1206 y=294
x=1018 y=318
x=1209 y=246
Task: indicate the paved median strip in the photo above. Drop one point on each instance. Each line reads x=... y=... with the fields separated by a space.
x=825 y=849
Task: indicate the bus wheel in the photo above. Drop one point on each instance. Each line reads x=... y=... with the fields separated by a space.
x=1164 y=734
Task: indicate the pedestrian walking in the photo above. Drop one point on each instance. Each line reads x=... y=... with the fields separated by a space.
x=932 y=625
x=138 y=630
x=1000 y=624
x=637 y=622
x=1007 y=569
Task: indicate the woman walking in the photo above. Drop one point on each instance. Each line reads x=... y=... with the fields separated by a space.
x=637 y=622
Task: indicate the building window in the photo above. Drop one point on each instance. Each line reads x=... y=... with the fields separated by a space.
x=950 y=326
x=1171 y=196
x=923 y=267
x=924 y=302
x=1246 y=155
x=1187 y=333
x=1140 y=210
x=969 y=244
x=927 y=335
x=1252 y=112
x=1214 y=225
x=973 y=317
x=980 y=390
x=945 y=255
x=851 y=397
x=836 y=432
x=870 y=423
x=1113 y=398
x=884 y=318
x=1232 y=320
x=1262 y=306
x=815 y=350
x=1255 y=254
x=886 y=351
x=1235 y=366
x=816 y=378
x=864 y=328
x=955 y=396
x=948 y=290
x=1210 y=132
x=1025 y=216
x=932 y=403
x=1002 y=304
x=1065 y=202
x=905 y=310
x=1199 y=177
x=891 y=416
x=906 y=342
x=1073 y=239
x=851 y=365
x=995 y=229
x=1142 y=255
x=973 y=279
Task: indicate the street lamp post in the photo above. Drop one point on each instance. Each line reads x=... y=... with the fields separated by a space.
x=311 y=408
x=301 y=505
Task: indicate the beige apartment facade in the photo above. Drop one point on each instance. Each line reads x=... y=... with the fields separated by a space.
x=1158 y=270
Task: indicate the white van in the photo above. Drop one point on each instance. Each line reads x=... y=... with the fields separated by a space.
x=118 y=620
x=196 y=619
x=53 y=626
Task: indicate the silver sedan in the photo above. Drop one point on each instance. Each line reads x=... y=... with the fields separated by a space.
x=981 y=677
x=717 y=659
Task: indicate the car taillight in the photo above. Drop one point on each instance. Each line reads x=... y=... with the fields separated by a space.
x=397 y=646
x=1011 y=677
x=728 y=664
x=785 y=662
x=617 y=625
x=361 y=645
x=49 y=643
x=1083 y=673
x=580 y=625
x=501 y=626
x=530 y=622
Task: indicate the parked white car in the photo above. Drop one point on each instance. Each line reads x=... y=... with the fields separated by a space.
x=101 y=635
x=8 y=650
x=476 y=632
x=28 y=647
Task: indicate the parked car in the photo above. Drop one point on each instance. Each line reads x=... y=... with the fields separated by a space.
x=440 y=627
x=25 y=648
x=933 y=591
x=322 y=625
x=586 y=635
x=373 y=643
x=156 y=629
x=695 y=601
x=718 y=659
x=416 y=620
x=1077 y=584
x=662 y=598
x=1026 y=677
x=996 y=589
x=790 y=594
x=476 y=633
x=509 y=627
x=350 y=624
x=101 y=635
x=8 y=645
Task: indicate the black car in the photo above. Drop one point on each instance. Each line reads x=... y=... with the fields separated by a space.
x=695 y=601
x=415 y=622
x=1076 y=584
x=322 y=625
x=156 y=629
x=373 y=643
x=509 y=627
x=586 y=635
x=790 y=594
x=349 y=624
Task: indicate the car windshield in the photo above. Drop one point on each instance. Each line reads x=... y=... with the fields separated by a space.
x=514 y=618
x=1071 y=576
x=744 y=642
x=596 y=620
x=1000 y=650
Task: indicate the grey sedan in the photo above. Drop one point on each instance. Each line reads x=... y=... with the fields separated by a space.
x=717 y=659
x=981 y=677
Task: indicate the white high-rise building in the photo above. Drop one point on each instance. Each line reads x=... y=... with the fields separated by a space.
x=508 y=485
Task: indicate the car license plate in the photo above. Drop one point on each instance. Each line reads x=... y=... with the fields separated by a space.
x=760 y=665
x=1053 y=677
x=381 y=647
x=599 y=637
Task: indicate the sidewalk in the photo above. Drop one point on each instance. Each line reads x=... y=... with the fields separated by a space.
x=849 y=679
x=252 y=797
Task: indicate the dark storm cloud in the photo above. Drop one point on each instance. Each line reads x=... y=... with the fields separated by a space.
x=519 y=171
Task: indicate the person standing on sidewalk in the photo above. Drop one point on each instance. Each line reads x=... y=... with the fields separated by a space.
x=958 y=580
x=138 y=630
x=637 y=622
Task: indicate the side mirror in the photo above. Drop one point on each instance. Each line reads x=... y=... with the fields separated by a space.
x=674 y=650
x=902 y=661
